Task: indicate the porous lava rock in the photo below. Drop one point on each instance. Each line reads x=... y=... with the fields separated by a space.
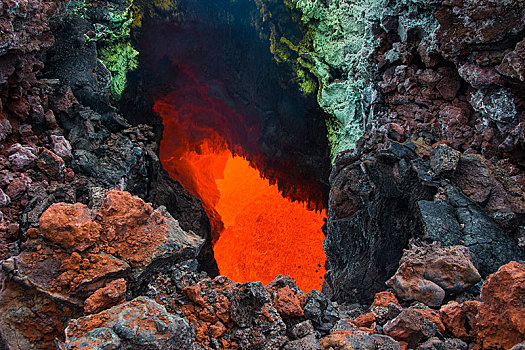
x=139 y=323
x=460 y=319
x=80 y=254
x=500 y=322
x=106 y=297
x=428 y=273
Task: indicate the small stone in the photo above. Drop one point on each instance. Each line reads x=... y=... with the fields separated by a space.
x=106 y=297
x=411 y=327
x=5 y=129
x=287 y=303
x=427 y=272
x=444 y=159
x=21 y=157
x=61 y=146
x=18 y=187
x=51 y=164
x=303 y=329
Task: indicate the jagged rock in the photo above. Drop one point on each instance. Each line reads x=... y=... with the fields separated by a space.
x=70 y=225
x=246 y=308
x=308 y=342
x=4 y=199
x=106 y=297
x=76 y=255
x=138 y=323
x=5 y=129
x=411 y=327
x=500 y=322
x=512 y=65
x=460 y=319
x=372 y=214
x=61 y=146
x=51 y=164
x=427 y=273
x=302 y=329
x=444 y=159
x=320 y=310
x=21 y=157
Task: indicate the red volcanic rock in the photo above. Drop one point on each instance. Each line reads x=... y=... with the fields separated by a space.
x=427 y=273
x=460 y=319
x=70 y=225
x=287 y=303
x=73 y=258
x=134 y=232
x=432 y=316
x=141 y=324
x=512 y=64
x=219 y=309
x=106 y=297
x=411 y=327
x=384 y=298
x=51 y=164
x=501 y=321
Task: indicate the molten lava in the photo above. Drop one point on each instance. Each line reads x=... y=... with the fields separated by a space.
x=258 y=234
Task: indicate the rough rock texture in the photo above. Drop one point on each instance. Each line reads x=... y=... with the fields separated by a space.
x=428 y=273
x=139 y=323
x=500 y=321
x=445 y=83
x=78 y=251
x=411 y=327
x=460 y=319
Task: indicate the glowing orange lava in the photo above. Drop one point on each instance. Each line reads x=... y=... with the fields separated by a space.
x=266 y=234
x=262 y=234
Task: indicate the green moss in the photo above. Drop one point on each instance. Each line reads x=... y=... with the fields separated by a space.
x=112 y=26
x=340 y=45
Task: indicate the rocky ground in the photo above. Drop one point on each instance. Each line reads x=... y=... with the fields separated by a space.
x=425 y=235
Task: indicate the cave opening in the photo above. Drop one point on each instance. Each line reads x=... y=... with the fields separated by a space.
x=239 y=134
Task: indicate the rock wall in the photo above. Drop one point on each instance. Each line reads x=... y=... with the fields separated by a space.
x=440 y=157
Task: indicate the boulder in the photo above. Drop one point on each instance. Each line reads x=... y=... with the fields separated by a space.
x=501 y=321
x=410 y=327
x=140 y=323
x=426 y=273
x=460 y=319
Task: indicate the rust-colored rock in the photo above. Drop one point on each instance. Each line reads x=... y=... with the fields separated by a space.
x=460 y=319
x=104 y=298
x=287 y=303
x=70 y=225
x=411 y=327
x=382 y=299
x=501 y=321
x=432 y=316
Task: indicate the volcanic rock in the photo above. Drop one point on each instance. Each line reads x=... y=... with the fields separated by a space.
x=411 y=327
x=106 y=297
x=426 y=273
x=358 y=340
x=21 y=157
x=51 y=164
x=460 y=319
x=140 y=323
x=500 y=321
x=75 y=255
x=447 y=344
